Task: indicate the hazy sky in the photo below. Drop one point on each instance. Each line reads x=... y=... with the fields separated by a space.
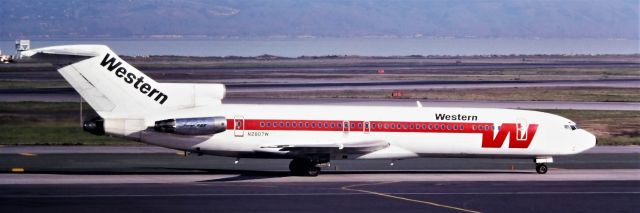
x=329 y=18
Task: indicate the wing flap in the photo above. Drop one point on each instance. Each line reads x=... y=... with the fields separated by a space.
x=352 y=147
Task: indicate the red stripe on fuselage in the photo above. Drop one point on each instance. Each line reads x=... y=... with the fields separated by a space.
x=375 y=126
x=486 y=129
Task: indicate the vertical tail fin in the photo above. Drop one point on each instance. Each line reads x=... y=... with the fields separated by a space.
x=114 y=88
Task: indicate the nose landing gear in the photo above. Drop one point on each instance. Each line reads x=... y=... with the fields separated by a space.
x=541 y=168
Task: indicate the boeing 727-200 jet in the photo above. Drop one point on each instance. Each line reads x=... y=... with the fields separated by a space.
x=192 y=118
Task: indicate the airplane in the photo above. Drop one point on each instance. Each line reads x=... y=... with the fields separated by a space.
x=191 y=117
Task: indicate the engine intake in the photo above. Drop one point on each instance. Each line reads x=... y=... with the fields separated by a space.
x=192 y=126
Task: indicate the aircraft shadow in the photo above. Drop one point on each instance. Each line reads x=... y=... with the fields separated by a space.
x=257 y=174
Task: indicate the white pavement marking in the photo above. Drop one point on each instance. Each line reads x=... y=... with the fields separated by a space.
x=252 y=194
x=386 y=195
x=429 y=176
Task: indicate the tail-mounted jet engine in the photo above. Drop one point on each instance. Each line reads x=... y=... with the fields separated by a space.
x=192 y=126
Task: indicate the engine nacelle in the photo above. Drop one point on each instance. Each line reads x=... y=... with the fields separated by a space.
x=192 y=126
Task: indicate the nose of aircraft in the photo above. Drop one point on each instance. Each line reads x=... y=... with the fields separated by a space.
x=585 y=141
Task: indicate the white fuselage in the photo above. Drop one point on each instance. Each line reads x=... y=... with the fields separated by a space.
x=191 y=117
x=410 y=131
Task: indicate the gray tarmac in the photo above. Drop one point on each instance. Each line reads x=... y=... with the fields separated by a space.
x=89 y=166
x=393 y=196
x=143 y=178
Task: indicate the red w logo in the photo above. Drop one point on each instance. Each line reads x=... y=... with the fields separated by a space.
x=519 y=137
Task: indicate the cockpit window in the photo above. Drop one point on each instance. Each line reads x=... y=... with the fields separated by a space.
x=571 y=127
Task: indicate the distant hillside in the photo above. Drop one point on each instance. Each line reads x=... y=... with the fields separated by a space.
x=327 y=18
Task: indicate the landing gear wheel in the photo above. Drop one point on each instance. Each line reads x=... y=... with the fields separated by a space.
x=303 y=167
x=541 y=168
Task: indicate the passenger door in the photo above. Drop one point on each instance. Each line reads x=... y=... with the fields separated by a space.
x=238 y=126
x=366 y=127
x=345 y=127
x=522 y=128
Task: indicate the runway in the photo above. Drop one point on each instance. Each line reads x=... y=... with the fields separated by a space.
x=388 y=196
x=108 y=179
x=160 y=166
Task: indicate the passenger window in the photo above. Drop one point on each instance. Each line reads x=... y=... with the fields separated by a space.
x=313 y=125
x=461 y=126
x=486 y=127
x=449 y=127
x=300 y=124
x=281 y=124
x=353 y=125
x=430 y=126
x=326 y=125
x=261 y=124
x=333 y=125
x=455 y=127
x=442 y=126
x=405 y=126
x=379 y=126
x=306 y=124
x=268 y=124
x=393 y=126
x=417 y=126
x=293 y=124
x=386 y=126
x=437 y=126
x=288 y=124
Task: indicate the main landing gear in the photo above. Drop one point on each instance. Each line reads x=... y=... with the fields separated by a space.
x=309 y=166
x=304 y=167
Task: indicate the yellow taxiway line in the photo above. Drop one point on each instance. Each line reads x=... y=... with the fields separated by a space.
x=350 y=188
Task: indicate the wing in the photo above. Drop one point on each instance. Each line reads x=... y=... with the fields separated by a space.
x=350 y=147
